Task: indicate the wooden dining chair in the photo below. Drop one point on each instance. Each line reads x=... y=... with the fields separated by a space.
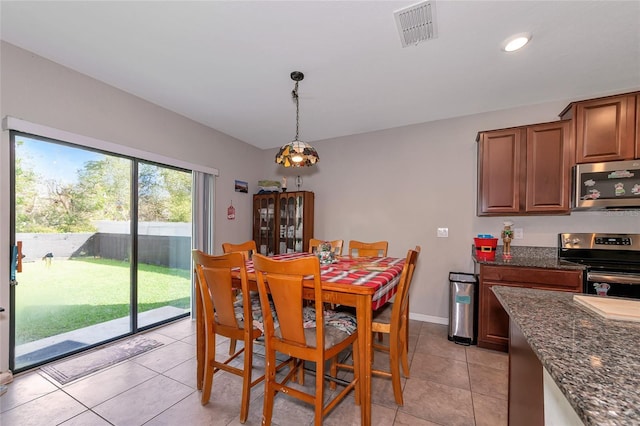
x=305 y=332
x=247 y=248
x=225 y=318
x=393 y=320
x=336 y=246
x=360 y=249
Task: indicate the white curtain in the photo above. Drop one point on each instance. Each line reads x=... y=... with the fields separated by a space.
x=202 y=219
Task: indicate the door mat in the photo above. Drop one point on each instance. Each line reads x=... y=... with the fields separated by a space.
x=73 y=369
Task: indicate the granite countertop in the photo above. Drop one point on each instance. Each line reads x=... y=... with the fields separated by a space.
x=595 y=362
x=531 y=257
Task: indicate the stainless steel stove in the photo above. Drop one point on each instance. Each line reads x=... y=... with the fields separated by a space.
x=612 y=262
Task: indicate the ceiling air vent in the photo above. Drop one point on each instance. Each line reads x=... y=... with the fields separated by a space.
x=416 y=23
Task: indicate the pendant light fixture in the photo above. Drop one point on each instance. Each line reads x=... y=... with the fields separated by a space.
x=297 y=153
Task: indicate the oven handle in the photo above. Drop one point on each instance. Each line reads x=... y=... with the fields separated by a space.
x=613 y=278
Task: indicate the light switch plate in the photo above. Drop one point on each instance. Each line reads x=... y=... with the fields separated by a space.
x=443 y=232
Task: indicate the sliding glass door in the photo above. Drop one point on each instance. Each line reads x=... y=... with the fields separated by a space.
x=163 y=243
x=105 y=244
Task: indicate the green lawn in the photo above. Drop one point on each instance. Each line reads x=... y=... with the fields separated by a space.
x=72 y=294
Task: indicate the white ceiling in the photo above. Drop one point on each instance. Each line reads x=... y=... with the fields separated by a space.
x=226 y=64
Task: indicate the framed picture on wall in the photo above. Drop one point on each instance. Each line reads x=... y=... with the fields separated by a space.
x=242 y=186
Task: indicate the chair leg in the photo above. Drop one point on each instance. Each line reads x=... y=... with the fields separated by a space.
x=200 y=337
x=319 y=399
x=301 y=374
x=356 y=371
x=404 y=348
x=232 y=346
x=246 y=380
x=333 y=371
x=209 y=358
x=394 y=361
x=269 y=390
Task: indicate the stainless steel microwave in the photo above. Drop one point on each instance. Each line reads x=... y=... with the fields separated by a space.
x=610 y=185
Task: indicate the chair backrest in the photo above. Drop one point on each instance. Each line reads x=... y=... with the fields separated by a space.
x=214 y=281
x=360 y=249
x=401 y=303
x=283 y=281
x=247 y=248
x=336 y=246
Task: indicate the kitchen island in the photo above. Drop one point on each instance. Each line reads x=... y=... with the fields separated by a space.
x=594 y=362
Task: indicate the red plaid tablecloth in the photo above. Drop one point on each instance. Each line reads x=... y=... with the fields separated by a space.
x=381 y=273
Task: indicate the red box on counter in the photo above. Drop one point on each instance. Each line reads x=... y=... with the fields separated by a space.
x=485 y=248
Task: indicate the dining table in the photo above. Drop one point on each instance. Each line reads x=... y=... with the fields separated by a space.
x=366 y=283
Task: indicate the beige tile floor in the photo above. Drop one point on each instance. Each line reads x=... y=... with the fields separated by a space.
x=449 y=385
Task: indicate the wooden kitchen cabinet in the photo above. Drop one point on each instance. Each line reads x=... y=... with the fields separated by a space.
x=283 y=222
x=501 y=161
x=605 y=128
x=638 y=126
x=548 y=177
x=525 y=170
x=493 y=321
x=526 y=387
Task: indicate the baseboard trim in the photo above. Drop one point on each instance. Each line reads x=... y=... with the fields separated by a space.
x=429 y=318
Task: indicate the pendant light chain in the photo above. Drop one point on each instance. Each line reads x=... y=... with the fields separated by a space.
x=294 y=93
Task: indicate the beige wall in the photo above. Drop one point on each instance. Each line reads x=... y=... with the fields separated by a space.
x=402 y=184
x=397 y=184
x=42 y=92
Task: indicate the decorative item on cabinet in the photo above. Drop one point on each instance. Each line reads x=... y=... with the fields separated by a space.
x=283 y=222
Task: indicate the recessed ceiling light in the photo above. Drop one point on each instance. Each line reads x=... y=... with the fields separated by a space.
x=516 y=42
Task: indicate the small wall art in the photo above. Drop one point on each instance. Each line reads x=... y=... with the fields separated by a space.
x=242 y=186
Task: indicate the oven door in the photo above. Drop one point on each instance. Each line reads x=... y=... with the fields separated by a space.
x=619 y=284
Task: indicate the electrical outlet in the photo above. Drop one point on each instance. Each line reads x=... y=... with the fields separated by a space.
x=443 y=232
x=518 y=234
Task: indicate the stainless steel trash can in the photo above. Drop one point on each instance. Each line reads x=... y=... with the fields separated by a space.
x=463 y=308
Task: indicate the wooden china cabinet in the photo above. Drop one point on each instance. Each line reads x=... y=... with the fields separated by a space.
x=283 y=222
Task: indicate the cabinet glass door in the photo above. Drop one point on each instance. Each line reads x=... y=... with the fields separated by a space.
x=291 y=223
x=264 y=234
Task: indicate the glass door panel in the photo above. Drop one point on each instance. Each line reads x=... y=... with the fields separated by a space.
x=71 y=212
x=264 y=226
x=164 y=244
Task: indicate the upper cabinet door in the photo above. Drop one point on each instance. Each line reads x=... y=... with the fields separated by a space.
x=605 y=129
x=549 y=153
x=637 y=126
x=501 y=164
